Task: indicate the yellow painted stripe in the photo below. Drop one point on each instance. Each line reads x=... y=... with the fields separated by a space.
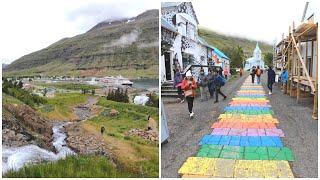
x=217 y=167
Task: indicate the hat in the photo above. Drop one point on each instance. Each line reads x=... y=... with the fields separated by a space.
x=188 y=74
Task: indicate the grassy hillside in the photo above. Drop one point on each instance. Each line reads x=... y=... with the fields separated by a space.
x=128 y=47
x=222 y=41
x=132 y=152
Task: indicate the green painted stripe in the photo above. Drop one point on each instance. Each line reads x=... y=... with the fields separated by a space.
x=246 y=153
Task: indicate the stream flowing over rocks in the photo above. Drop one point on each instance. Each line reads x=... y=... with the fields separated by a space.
x=16 y=157
x=20 y=147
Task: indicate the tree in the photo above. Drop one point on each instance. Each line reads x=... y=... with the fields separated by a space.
x=236 y=56
x=268 y=57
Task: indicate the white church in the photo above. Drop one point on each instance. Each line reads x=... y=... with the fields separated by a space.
x=255 y=60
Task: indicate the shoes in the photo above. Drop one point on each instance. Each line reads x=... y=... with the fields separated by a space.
x=216 y=101
x=191 y=115
x=182 y=101
x=270 y=92
x=225 y=97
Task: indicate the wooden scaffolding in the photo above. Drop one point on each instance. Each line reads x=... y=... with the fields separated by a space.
x=298 y=53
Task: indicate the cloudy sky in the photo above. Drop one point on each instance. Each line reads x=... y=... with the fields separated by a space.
x=28 y=26
x=264 y=20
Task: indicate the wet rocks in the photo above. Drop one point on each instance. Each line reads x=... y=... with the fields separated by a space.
x=149 y=134
x=22 y=125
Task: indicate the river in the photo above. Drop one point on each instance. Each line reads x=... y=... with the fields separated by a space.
x=16 y=157
x=145 y=84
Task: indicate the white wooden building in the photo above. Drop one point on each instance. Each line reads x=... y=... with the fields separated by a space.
x=180 y=44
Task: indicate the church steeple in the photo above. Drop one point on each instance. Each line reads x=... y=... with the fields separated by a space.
x=257 y=52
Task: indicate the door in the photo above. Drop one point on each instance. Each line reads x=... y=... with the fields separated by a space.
x=167 y=65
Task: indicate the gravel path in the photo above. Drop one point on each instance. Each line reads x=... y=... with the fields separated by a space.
x=301 y=131
x=185 y=133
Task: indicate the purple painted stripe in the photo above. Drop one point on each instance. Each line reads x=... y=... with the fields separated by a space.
x=247 y=132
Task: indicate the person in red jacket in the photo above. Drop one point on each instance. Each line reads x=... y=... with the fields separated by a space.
x=189 y=86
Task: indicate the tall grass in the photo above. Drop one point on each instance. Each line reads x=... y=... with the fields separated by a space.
x=85 y=166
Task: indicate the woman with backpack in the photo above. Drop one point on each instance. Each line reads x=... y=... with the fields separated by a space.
x=218 y=82
x=189 y=86
x=258 y=73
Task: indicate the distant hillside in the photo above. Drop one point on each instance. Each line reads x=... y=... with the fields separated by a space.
x=127 y=46
x=221 y=41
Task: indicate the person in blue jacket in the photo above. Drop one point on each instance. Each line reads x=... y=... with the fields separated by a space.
x=218 y=82
x=284 y=79
x=271 y=78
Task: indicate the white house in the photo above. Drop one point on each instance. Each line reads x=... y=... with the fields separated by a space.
x=180 y=44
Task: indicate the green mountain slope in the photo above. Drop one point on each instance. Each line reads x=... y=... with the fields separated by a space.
x=128 y=47
x=222 y=41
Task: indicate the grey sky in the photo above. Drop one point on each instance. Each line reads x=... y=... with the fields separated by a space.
x=28 y=26
x=264 y=20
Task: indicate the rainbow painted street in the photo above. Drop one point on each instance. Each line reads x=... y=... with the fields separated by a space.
x=245 y=142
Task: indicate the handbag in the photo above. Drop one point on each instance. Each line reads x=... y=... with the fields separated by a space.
x=188 y=93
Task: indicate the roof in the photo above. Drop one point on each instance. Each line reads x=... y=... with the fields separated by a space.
x=216 y=50
x=203 y=42
x=170 y=4
x=168 y=26
x=257 y=49
x=220 y=53
x=175 y=4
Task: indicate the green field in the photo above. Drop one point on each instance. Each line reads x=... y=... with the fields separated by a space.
x=61 y=106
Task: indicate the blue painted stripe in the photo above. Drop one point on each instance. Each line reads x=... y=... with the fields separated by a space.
x=255 y=141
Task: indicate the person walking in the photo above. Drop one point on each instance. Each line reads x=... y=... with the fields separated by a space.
x=203 y=83
x=210 y=82
x=271 y=79
x=258 y=73
x=189 y=86
x=218 y=83
x=220 y=71
x=253 y=73
x=177 y=83
x=226 y=73
x=102 y=130
x=241 y=72
x=284 y=80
